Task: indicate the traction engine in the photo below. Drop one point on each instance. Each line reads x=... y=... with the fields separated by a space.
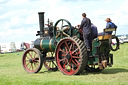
x=61 y=47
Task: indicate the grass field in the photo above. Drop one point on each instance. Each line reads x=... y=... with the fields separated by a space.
x=12 y=72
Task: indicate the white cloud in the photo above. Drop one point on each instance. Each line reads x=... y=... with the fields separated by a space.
x=20 y=18
x=32 y=19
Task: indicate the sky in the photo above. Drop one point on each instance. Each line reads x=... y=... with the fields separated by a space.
x=19 y=21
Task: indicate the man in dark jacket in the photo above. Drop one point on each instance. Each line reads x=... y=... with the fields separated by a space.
x=86 y=26
x=94 y=32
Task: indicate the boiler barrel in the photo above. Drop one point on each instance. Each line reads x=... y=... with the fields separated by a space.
x=46 y=45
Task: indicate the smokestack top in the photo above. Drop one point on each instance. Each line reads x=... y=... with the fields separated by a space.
x=41 y=12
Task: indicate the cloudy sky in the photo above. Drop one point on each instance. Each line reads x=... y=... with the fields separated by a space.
x=19 y=18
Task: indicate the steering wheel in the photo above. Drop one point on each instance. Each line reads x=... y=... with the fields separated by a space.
x=62 y=28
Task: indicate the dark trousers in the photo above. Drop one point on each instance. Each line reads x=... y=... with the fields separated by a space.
x=88 y=40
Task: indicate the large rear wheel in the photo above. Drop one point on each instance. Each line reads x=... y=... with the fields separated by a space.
x=71 y=56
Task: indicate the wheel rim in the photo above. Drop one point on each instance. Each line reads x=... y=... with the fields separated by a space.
x=68 y=57
x=114 y=46
x=31 y=61
x=62 y=29
x=50 y=64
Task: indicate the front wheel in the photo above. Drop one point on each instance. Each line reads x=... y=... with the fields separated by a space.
x=32 y=60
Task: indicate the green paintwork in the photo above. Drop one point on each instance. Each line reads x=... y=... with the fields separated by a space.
x=92 y=60
x=46 y=45
x=95 y=43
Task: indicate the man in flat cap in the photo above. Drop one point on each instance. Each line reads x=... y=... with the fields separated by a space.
x=110 y=25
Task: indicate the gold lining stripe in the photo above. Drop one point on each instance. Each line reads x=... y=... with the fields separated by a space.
x=41 y=46
x=50 y=45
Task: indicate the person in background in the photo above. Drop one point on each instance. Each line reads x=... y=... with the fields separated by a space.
x=108 y=25
x=86 y=28
x=94 y=32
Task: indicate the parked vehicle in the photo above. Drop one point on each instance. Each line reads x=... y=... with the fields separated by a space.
x=125 y=40
x=6 y=47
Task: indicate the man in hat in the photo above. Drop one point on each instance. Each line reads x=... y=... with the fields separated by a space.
x=108 y=25
x=86 y=26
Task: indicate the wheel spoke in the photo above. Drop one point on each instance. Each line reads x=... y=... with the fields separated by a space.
x=62 y=51
x=27 y=57
x=61 y=36
x=32 y=66
x=70 y=47
x=65 y=63
x=27 y=64
x=67 y=45
x=75 y=63
x=54 y=63
x=62 y=24
x=76 y=53
x=75 y=57
x=72 y=67
x=65 y=34
x=66 y=49
x=58 y=35
x=49 y=64
x=36 y=64
x=34 y=55
x=26 y=60
x=30 y=55
x=62 y=59
x=67 y=66
x=75 y=50
x=63 y=55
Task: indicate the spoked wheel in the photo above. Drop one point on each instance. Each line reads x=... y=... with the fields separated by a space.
x=92 y=68
x=71 y=56
x=114 y=46
x=32 y=60
x=62 y=29
x=49 y=62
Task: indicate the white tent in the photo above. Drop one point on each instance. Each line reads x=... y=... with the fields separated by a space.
x=7 y=47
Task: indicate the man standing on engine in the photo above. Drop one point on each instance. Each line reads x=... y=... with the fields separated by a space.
x=86 y=26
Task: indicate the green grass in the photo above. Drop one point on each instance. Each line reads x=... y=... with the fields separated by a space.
x=12 y=72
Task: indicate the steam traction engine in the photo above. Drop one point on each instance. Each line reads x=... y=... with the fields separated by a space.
x=61 y=47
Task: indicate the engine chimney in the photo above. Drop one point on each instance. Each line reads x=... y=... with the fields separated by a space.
x=41 y=22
